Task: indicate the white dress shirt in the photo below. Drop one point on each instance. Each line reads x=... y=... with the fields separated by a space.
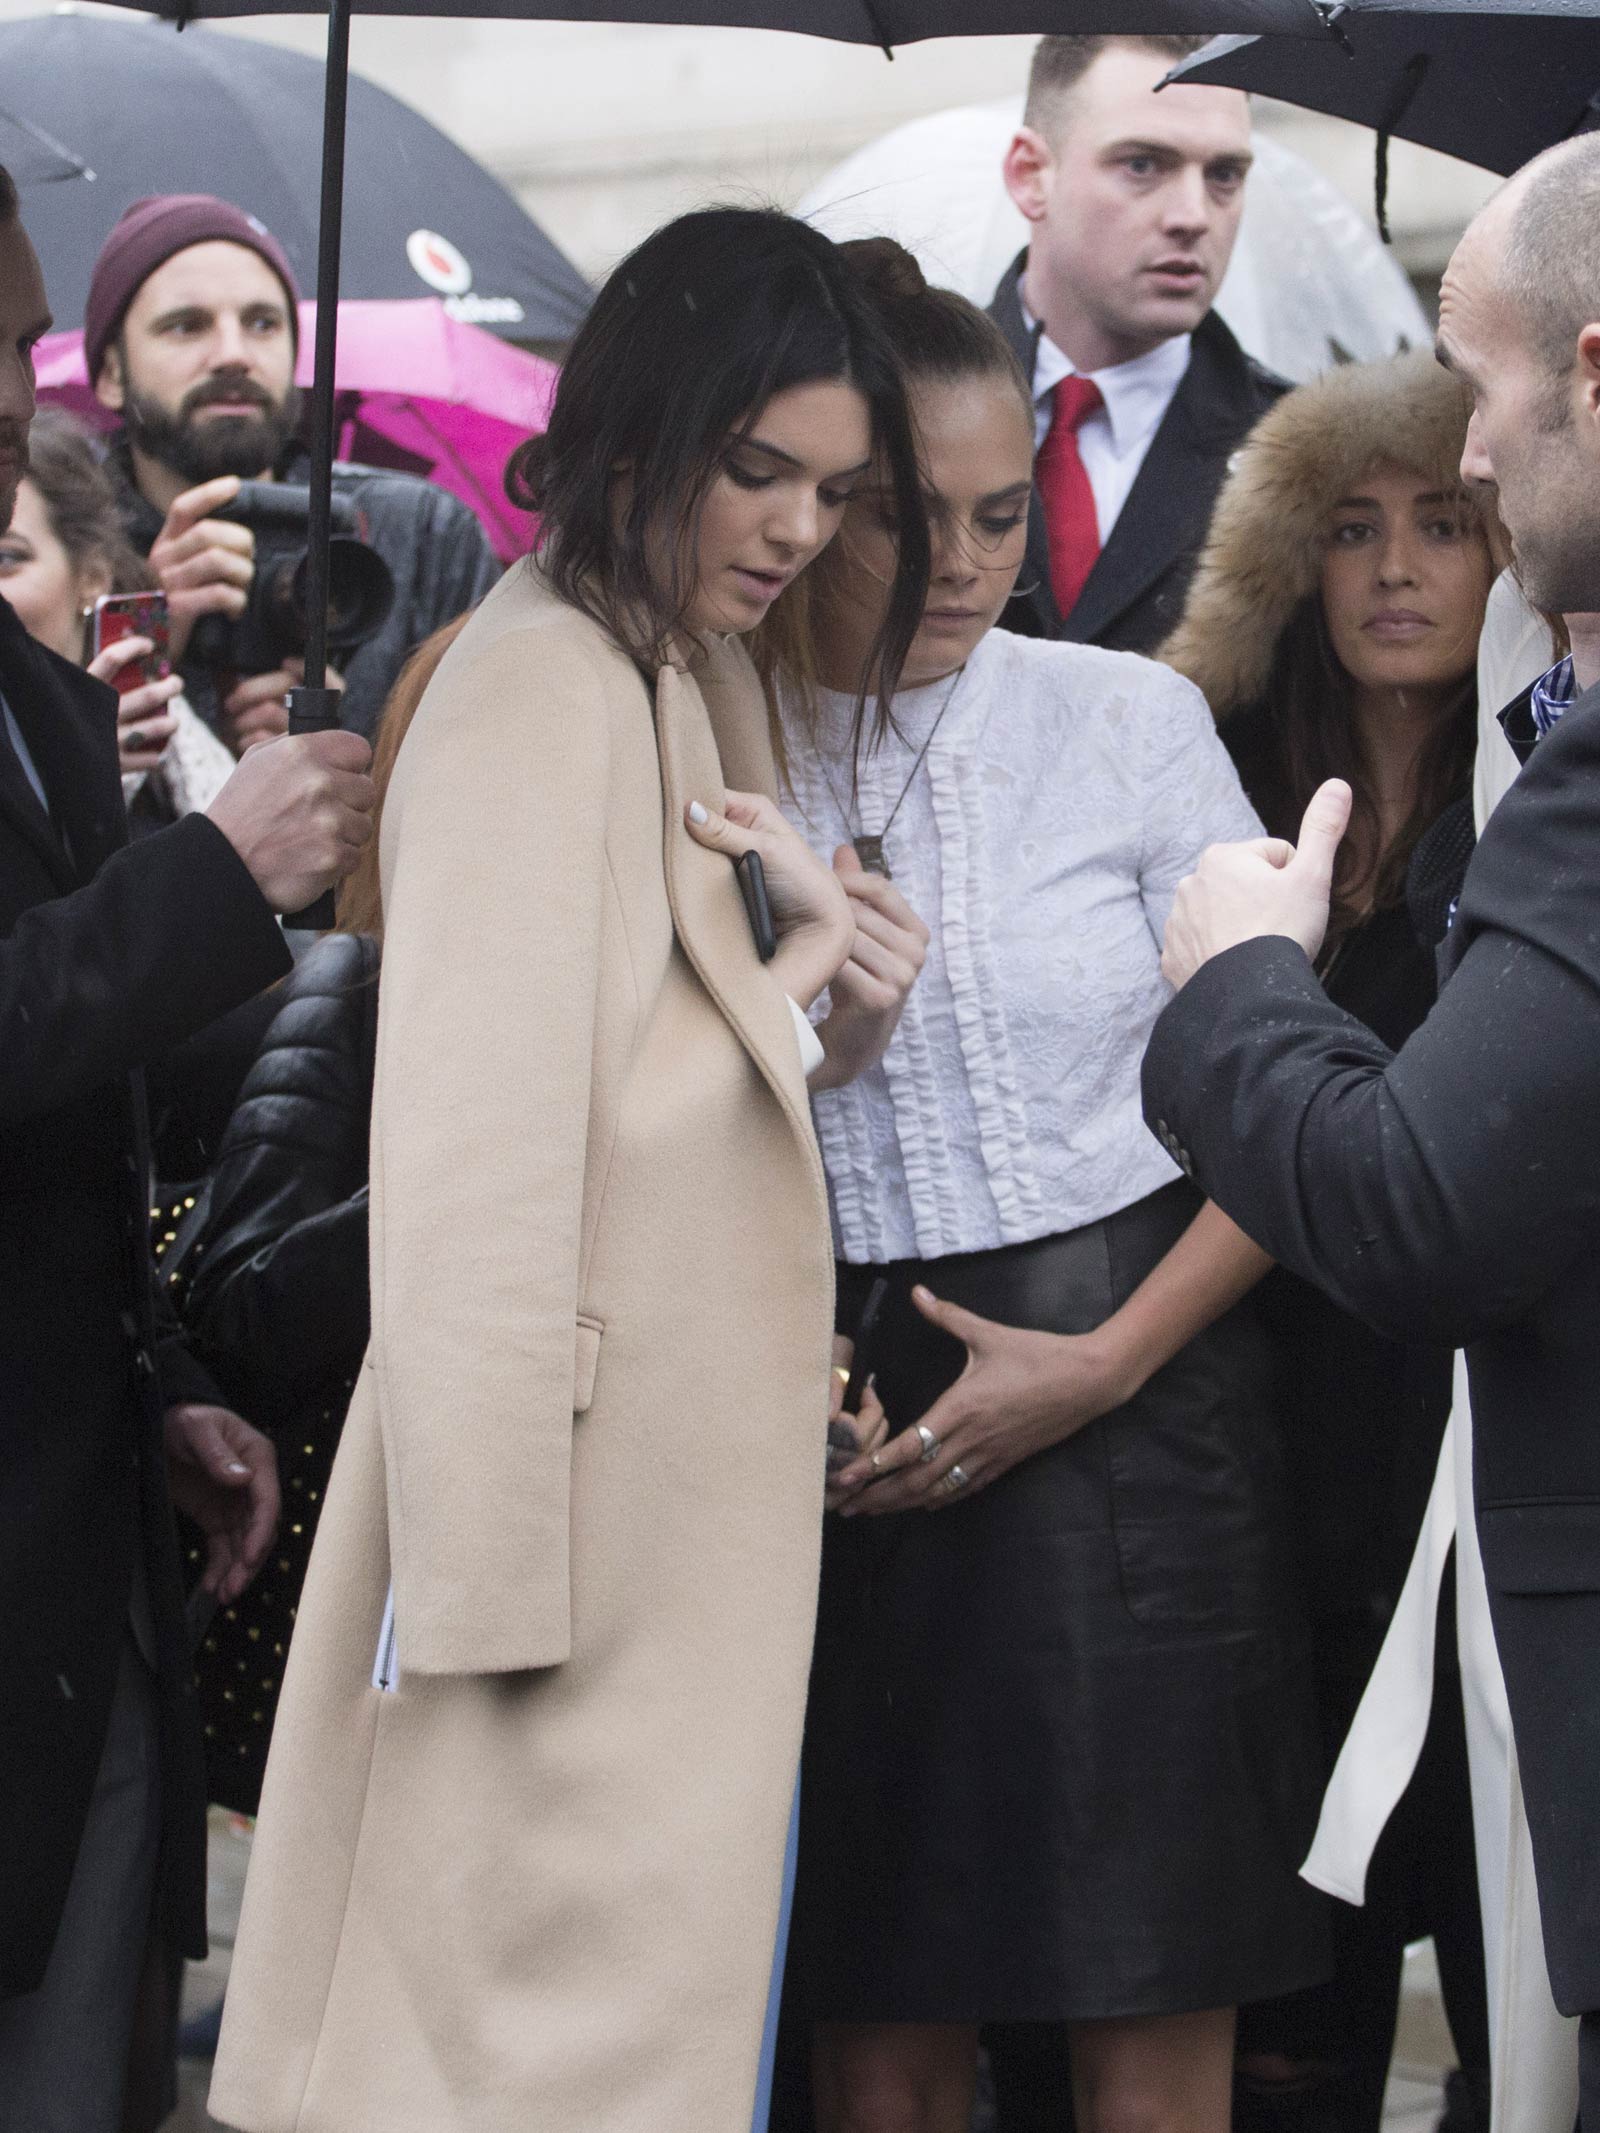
x=1113 y=440
x=1066 y=793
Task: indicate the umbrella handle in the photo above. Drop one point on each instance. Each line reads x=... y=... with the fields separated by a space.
x=336 y=82
x=313 y=711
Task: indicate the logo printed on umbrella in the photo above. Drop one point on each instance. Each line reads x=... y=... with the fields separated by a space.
x=435 y=260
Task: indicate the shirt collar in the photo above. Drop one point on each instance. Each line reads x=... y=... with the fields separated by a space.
x=1136 y=394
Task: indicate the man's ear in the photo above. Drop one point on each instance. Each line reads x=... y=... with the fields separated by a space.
x=1588 y=370
x=108 y=386
x=1029 y=169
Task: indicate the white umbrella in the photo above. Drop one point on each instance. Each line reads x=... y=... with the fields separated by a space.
x=1310 y=284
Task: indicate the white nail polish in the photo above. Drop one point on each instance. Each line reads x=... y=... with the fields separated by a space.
x=697 y=814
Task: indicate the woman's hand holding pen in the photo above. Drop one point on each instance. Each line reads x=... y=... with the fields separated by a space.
x=1020 y=1393
x=871 y=988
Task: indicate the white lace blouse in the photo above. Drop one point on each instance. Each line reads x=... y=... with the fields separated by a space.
x=1065 y=794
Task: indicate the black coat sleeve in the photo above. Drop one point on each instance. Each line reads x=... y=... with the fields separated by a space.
x=171 y=932
x=278 y=1302
x=1437 y=1192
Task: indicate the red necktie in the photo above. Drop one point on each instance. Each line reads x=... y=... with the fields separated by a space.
x=1065 y=494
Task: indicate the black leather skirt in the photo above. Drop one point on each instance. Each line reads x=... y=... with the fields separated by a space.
x=1061 y=1756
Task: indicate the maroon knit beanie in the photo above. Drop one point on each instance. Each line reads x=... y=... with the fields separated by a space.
x=147 y=236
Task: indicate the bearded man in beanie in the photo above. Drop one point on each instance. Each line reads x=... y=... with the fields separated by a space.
x=190 y=336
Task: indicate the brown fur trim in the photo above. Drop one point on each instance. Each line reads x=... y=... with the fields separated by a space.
x=1263 y=554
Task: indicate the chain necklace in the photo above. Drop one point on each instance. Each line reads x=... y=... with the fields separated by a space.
x=869 y=848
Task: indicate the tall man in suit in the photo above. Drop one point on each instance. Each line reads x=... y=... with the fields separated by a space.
x=109 y=955
x=1451 y=1191
x=1140 y=391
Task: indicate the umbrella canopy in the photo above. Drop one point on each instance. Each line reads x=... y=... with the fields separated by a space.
x=1309 y=283
x=414 y=388
x=203 y=113
x=880 y=22
x=1490 y=81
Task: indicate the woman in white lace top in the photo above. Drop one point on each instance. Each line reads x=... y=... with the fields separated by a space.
x=1059 y=1761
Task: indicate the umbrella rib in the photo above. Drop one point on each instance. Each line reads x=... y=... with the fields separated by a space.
x=1411 y=78
x=875 y=24
x=80 y=168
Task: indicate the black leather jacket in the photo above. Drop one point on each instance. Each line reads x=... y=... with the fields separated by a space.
x=278 y=1300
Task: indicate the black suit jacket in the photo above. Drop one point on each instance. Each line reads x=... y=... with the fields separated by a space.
x=1134 y=594
x=109 y=955
x=1451 y=1192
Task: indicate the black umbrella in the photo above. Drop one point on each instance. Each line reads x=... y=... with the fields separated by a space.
x=880 y=22
x=1490 y=81
x=204 y=113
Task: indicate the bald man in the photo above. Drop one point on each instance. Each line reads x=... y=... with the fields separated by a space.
x=1451 y=1191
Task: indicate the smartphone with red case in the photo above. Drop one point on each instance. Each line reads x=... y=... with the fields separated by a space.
x=141 y=614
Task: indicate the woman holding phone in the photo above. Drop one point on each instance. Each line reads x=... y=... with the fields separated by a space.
x=64 y=552
x=522 y=1831
x=1060 y=1764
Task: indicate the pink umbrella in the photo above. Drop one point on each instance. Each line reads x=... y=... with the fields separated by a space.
x=415 y=389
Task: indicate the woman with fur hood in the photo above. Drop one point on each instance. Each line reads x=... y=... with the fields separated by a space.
x=1333 y=627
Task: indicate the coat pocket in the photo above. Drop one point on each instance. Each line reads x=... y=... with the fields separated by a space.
x=1541 y=1547
x=585 y=1362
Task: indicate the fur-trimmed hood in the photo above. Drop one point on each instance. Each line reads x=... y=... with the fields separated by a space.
x=1264 y=551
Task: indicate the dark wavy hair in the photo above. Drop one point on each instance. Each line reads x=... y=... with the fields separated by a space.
x=1308 y=709
x=65 y=467
x=687 y=342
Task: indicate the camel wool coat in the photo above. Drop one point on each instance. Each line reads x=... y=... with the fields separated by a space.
x=534 y=1888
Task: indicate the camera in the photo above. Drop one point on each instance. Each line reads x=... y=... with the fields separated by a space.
x=273 y=626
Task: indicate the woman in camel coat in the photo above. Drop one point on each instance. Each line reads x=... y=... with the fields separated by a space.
x=520 y=1872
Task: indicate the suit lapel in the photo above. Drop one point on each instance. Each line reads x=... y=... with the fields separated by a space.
x=708 y=911
x=19 y=803
x=70 y=724
x=1167 y=511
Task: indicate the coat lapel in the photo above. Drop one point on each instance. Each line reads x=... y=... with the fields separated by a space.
x=22 y=676
x=708 y=911
x=1168 y=508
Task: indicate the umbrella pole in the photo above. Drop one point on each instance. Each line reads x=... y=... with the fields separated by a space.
x=314 y=707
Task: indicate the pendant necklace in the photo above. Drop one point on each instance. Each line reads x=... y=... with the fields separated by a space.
x=869 y=848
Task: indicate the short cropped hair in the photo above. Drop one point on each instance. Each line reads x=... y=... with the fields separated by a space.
x=1060 y=63
x=8 y=197
x=1550 y=270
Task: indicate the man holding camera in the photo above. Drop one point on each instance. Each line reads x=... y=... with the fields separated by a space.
x=110 y=954
x=190 y=335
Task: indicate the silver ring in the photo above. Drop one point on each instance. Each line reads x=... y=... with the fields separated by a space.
x=930 y=1445
x=955 y=1481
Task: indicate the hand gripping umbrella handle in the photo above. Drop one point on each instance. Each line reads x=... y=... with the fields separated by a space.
x=313 y=711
